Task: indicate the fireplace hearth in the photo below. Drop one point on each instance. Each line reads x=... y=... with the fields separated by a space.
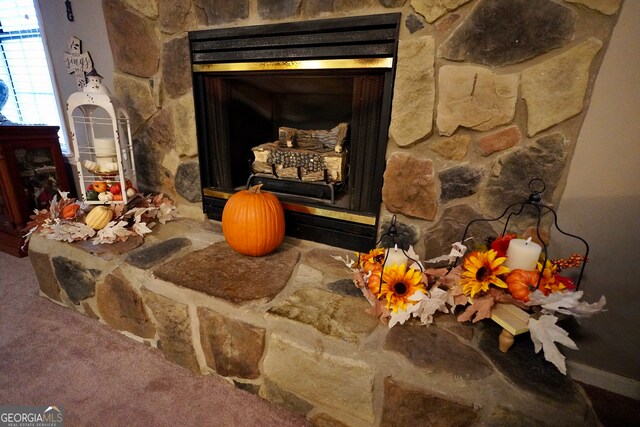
x=290 y=330
x=251 y=82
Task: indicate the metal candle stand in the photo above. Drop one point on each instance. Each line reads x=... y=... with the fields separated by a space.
x=392 y=233
x=516 y=209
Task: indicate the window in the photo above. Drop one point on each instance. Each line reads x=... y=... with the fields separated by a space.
x=24 y=68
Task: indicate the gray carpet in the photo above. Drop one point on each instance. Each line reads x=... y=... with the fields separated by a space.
x=50 y=355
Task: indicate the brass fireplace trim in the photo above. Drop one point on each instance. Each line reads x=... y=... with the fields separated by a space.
x=311 y=210
x=308 y=64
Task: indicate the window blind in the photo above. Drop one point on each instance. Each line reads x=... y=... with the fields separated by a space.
x=24 y=68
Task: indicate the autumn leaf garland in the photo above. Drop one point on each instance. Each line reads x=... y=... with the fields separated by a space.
x=126 y=222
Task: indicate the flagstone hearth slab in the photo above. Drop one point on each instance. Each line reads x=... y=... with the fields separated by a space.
x=336 y=315
x=147 y=257
x=325 y=260
x=219 y=271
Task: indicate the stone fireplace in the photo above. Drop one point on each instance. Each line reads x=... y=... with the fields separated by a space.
x=249 y=82
x=487 y=94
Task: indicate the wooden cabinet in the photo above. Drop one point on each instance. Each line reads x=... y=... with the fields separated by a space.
x=31 y=172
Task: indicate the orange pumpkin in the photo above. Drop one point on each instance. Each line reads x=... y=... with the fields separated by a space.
x=100 y=186
x=521 y=283
x=70 y=211
x=374 y=282
x=253 y=222
x=372 y=267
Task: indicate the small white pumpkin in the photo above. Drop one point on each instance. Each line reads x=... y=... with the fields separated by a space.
x=131 y=192
x=105 y=196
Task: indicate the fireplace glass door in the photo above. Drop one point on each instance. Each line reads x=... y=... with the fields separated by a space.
x=248 y=111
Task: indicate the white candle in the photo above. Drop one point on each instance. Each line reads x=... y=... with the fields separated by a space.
x=104 y=147
x=395 y=256
x=523 y=254
x=111 y=167
x=106 y=163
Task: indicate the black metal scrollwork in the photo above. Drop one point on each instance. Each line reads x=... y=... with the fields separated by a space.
x=537 y=187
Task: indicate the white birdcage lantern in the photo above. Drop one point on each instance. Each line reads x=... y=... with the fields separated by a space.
x=101 y=137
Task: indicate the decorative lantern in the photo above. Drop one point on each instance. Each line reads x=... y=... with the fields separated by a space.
x=101 y=136
x=525 y=254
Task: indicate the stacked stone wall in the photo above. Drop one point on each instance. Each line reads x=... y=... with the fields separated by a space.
x=488 y=95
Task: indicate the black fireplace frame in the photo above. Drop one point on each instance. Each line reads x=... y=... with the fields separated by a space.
x=363 y=38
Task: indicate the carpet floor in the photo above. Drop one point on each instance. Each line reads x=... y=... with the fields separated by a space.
x=50 y=355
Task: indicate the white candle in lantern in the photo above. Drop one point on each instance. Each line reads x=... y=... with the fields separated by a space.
x=111 y=167
x=395 y=256
x=523 y=254
x=104 y=147
x=107 y=163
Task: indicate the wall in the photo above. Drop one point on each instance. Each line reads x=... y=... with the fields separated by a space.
x=601 y=203
x=89 y=27
x=597 y=197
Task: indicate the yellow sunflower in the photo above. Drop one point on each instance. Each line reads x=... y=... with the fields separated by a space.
x=482 y=269
x=398 y=284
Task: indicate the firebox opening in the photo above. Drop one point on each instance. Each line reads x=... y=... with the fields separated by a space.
x=261 y=103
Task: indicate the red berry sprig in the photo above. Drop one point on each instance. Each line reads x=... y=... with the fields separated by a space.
x=575 y=260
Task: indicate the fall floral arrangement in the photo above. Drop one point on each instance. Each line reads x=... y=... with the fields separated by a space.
x=398 y=287
x=68 y=219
